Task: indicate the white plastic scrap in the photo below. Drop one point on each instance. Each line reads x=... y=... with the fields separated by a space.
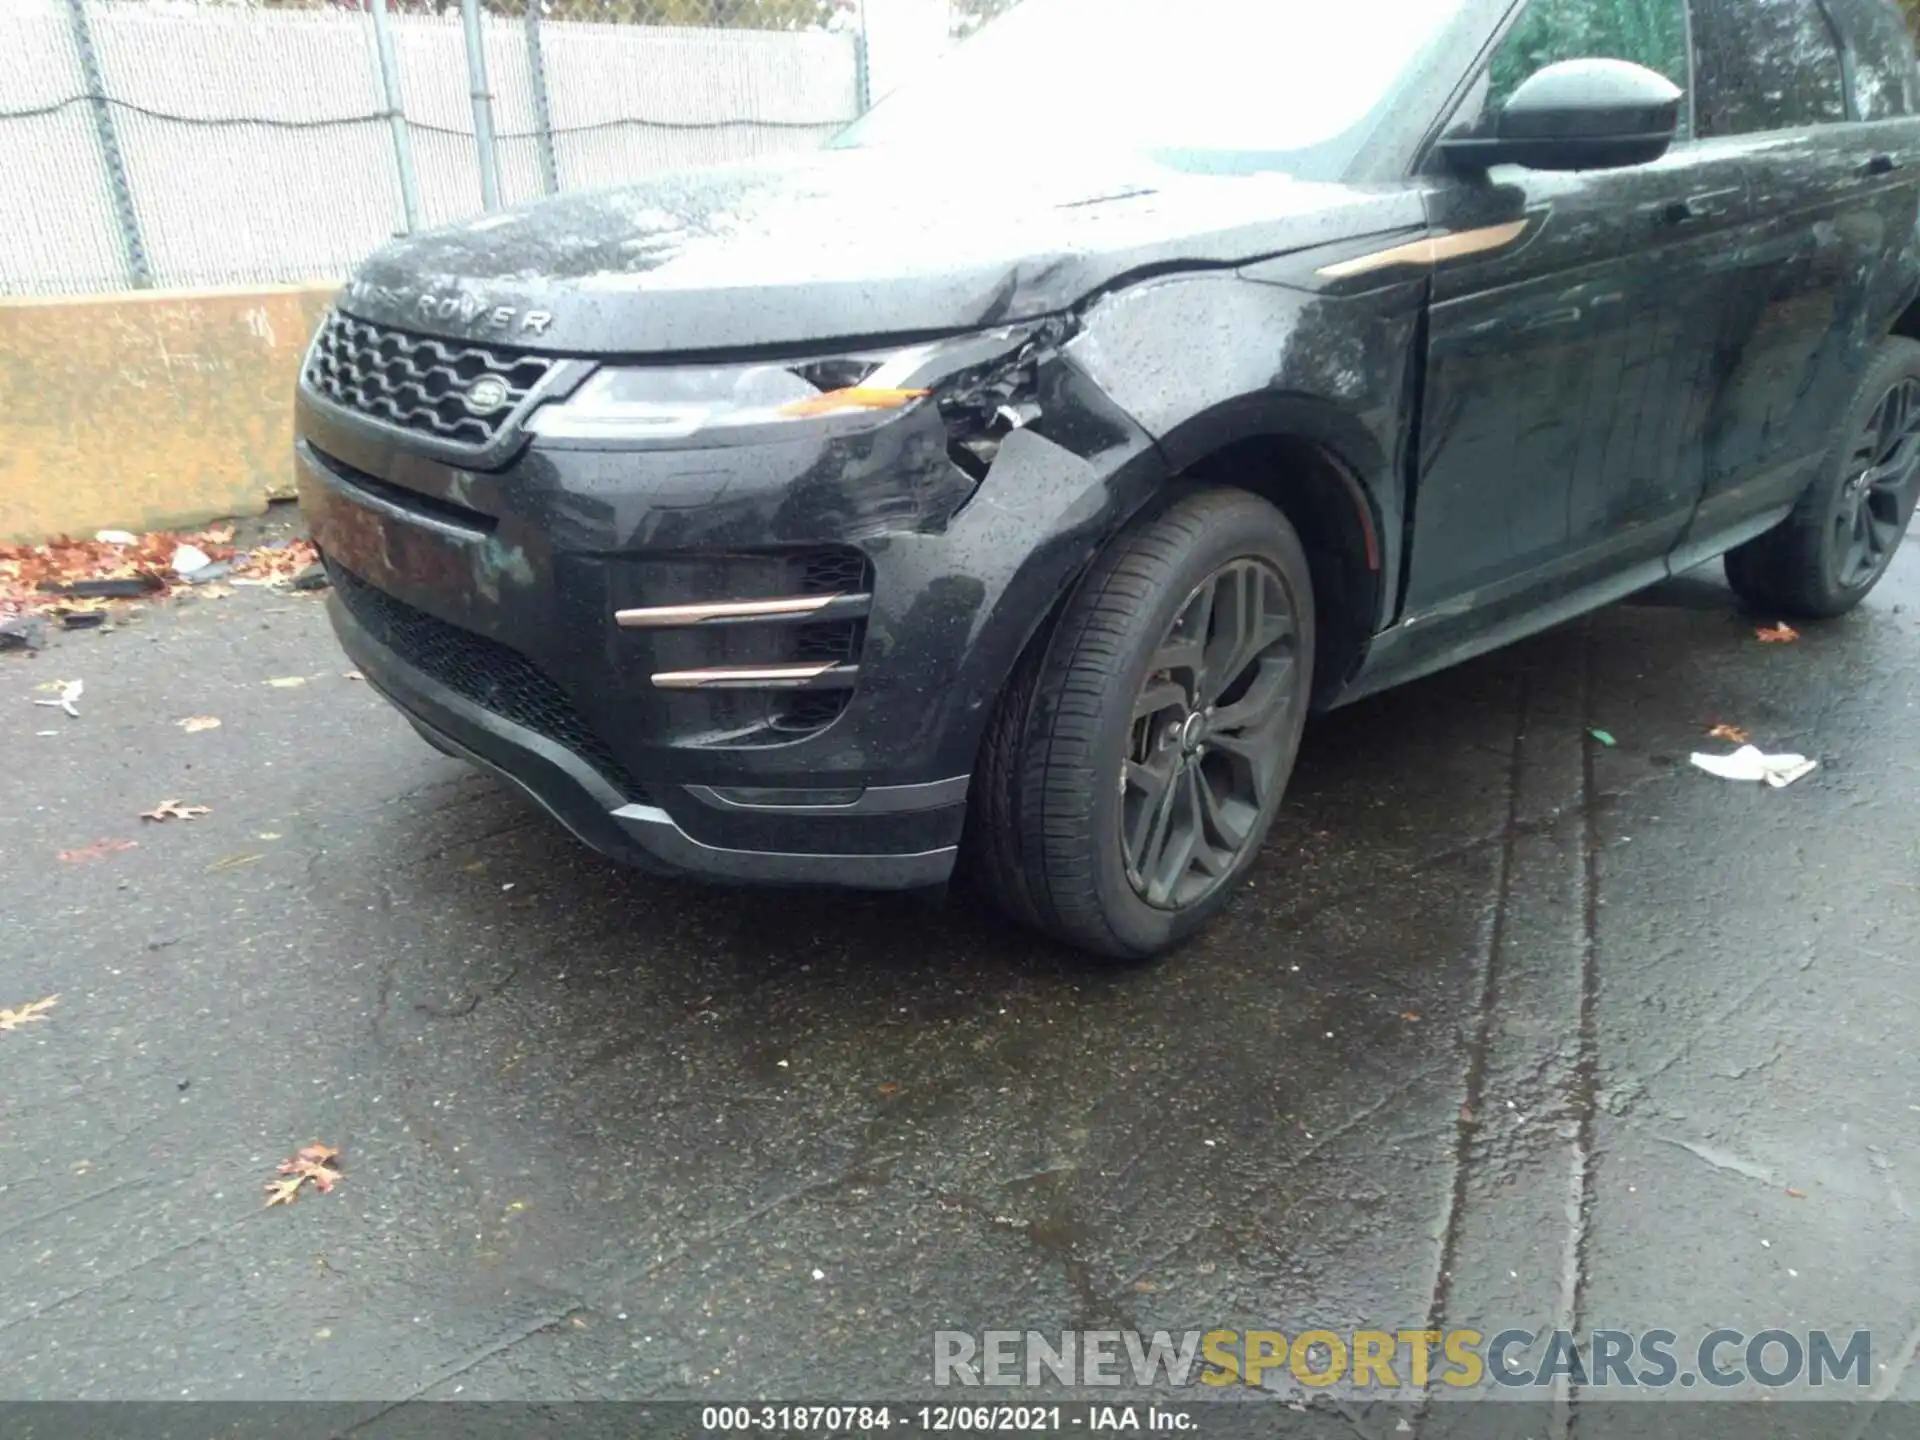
x=1750 y=763
x=117 y=537
x=189 y=558
x=70 y=691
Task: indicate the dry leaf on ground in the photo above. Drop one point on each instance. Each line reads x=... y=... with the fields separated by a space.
x=194 y=724
x=1776 y=634
x=281 y=1192
x=1732 y=734
x=175 y=810
x=14 y=1019
x=98 y=850
x=69 y=690
x=312 y=1166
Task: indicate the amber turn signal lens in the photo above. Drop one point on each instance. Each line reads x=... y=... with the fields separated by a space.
x=857 y=398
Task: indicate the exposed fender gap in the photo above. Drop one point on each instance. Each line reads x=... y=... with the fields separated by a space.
x=1415 y=440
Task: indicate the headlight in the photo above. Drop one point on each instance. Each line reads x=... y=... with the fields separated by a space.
x=749 y=403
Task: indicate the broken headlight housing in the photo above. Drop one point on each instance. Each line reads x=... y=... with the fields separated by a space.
x=984 y=386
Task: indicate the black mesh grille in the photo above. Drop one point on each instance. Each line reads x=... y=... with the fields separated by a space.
x=834 y=572
x=420 y=383
x=491 y=675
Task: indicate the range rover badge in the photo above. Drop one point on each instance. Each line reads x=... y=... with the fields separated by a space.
x=488 y=394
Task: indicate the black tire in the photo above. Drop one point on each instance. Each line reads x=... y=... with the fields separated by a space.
x=1045 y=837
x=1826 y=557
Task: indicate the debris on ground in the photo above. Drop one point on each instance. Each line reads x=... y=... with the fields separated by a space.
x=313 y=1166
x=1732 y=734
x=1749 y=763
x=119 y=565
x=22 y=632
x=287 y=682
x=194 y=724
x=14 y=1019
x=98 y=850
x=1776 y=634
x=175 y=810
x=1604 y=738
x=314 y=577
x=82 y=619
x=189 y=560
x=69 y=691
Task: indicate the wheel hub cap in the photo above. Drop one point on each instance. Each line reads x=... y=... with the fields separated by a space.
x=1210 y=726
x=1871 y=514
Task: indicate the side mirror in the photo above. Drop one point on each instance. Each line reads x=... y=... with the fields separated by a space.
x=1577 y=115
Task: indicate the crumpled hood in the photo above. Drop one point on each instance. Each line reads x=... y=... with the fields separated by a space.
x=836 y=245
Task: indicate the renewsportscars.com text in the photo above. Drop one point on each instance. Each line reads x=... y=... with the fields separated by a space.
x=1394 y=1359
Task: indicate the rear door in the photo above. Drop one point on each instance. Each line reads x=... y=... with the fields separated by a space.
x=1817 y=95
x=1570 y=371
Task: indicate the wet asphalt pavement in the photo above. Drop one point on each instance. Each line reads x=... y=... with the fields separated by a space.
x=1510 y=1029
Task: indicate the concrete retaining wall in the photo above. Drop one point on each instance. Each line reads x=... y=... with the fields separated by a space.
x=148 y=410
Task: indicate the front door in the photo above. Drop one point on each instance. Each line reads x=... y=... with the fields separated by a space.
x=1563 y=419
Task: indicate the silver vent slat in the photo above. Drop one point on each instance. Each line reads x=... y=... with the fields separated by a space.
x=740 y=612
x=828 y=676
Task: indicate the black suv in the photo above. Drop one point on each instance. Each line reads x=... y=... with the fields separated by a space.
x=1003 y=485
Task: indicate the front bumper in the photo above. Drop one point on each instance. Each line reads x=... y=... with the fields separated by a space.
x=483 y=604
x=581 y=798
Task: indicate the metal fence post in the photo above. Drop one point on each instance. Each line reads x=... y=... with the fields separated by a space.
x=862 y=77
x=482 y=105
x=542 y=110
x=139 y=269
x=389 y=67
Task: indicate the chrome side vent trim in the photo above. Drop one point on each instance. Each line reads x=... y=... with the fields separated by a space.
x=830 y=676
x=742 y=612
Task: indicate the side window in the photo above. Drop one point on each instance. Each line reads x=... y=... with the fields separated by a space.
x=1765 y=65
x=1883 y=61
x=1652 y=33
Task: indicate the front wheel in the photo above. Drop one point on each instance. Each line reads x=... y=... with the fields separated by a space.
x=1138 y=760
x=1825 y=557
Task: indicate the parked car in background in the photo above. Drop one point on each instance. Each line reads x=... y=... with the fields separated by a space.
x=1000 y=488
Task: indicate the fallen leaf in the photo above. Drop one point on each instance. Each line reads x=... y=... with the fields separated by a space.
x=889 y=1089
x=1733 y=734
x=1145 y=1287
x=175 y=810
x=194 y=724
x=312 y=1166
x=287 y=682
x=70 y=691
x=1796 y=1194
x=1604 y=738
x=14 y=1019
x=1408 y=1015
x=232 y=862
x=1777 y=635
x=99 y=850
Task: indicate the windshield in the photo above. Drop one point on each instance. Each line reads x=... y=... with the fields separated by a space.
x=1235 y=86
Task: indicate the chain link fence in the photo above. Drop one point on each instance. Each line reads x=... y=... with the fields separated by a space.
x=170 y=144
x=206 y=143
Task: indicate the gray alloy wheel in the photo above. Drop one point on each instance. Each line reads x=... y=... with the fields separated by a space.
x=1136 y=762
x=1827 y=556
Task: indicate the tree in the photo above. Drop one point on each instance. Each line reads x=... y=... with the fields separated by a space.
x=970 y=15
